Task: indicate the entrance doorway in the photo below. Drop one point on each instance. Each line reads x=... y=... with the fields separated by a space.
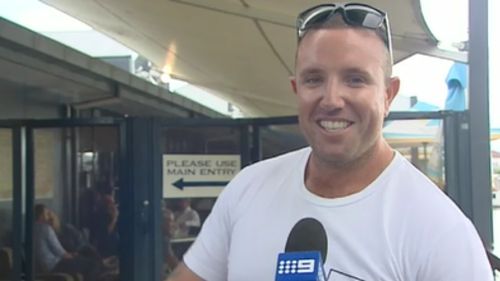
x=70 y=169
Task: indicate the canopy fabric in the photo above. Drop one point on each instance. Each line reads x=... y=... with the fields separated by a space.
x=242 y=50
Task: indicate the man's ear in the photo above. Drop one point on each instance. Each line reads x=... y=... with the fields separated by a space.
x=391 y=92
x=293 y=82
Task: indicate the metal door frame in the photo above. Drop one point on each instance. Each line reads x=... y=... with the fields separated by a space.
x=18 y=140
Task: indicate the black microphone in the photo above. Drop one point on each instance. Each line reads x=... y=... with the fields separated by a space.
x=308 y=234
x=305 y=251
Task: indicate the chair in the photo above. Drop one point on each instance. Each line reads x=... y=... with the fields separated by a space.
x=5 y=263
x=6 y=269
x=494 y=261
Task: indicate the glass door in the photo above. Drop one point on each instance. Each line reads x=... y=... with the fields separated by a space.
x=73 y=200
x=11 y=187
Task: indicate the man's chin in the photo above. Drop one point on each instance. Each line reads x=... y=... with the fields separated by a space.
x=334 y=158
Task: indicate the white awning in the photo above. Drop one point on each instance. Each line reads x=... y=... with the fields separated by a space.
x=243 y=50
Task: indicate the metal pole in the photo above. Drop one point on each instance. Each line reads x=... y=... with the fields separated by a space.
x=18 y=142
x=30 y=202
x=479 y=120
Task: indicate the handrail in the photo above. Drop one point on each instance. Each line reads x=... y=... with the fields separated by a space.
x=494 y=261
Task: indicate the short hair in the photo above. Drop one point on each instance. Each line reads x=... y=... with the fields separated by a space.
x=39 y=210
x=337 y=21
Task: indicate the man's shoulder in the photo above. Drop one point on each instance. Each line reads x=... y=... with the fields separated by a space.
x=420 y=196
x=404 y=170
x=42 y=226
x=43 y=230
x=267 y=173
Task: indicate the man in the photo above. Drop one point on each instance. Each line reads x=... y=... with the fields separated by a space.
x=187 y=220
x=51 y=257
x=383 y=218
x=168 y=227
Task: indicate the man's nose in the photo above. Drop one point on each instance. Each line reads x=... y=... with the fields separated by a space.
x=333 y=97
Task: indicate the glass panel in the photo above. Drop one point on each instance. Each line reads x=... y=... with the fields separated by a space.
x=197 y=163
x=6 y=203
x=421 y=142
x=75 y=208
x=279 y=139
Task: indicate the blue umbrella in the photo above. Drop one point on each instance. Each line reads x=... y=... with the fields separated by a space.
x=457 y=83
x=456 y=80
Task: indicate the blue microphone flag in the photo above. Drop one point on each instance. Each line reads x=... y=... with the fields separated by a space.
x=300 y=266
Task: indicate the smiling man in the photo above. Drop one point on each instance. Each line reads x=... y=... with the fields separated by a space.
x=383 y=219
x=343 y=95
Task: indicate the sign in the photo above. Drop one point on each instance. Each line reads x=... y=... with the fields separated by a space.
x=197 y=175
x=299 y=266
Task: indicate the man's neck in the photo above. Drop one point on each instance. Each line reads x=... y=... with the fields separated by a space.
x=334 y=181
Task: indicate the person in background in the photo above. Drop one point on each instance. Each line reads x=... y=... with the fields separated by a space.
x=70 y=237
x=49 y=254
x=383 y=219
x=187 y=219
x=103 y=228
x=171 y=259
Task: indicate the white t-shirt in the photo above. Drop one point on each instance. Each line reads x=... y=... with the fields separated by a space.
x=400 y=227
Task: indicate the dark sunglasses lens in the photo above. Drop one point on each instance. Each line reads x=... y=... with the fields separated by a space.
x=318 y=19
x=364 y=18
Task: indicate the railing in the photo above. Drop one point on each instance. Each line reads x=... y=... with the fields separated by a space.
x=494 y=261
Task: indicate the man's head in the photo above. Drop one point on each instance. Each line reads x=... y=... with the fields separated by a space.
x=41 y=213
x=184 y=203
x=351 y=15
x=342 y=80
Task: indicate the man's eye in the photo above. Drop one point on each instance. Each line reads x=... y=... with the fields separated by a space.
x=313 y=80
x=355 y=81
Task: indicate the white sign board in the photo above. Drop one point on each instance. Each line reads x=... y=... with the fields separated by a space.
x=197 y=175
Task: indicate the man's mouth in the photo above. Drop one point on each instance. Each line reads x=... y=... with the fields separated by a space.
x=333 y=126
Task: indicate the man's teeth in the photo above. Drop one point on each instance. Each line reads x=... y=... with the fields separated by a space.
x=334 y=125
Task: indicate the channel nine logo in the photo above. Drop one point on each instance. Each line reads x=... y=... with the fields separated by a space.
x=299 y=266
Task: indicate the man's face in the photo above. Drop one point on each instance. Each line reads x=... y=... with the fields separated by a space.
x=342 y=92
x=45 y=217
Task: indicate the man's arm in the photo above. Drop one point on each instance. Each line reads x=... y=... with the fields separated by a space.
x=54 y=244
x=458 y=255
x=183 y=273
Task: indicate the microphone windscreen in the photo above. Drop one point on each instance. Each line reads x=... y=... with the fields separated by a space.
x=308 y=234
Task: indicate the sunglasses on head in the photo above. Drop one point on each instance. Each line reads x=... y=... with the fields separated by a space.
x=353 y=14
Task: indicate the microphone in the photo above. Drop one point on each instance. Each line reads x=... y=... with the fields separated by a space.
x=305 y=251
x=308 y=234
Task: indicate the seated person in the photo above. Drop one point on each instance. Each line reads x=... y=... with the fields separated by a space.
x=187 y=219
x=50 y=256
x=171 y=259
x=69 y=236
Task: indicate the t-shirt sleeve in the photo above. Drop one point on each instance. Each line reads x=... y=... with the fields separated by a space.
x=458 y=255
x=208 y=255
